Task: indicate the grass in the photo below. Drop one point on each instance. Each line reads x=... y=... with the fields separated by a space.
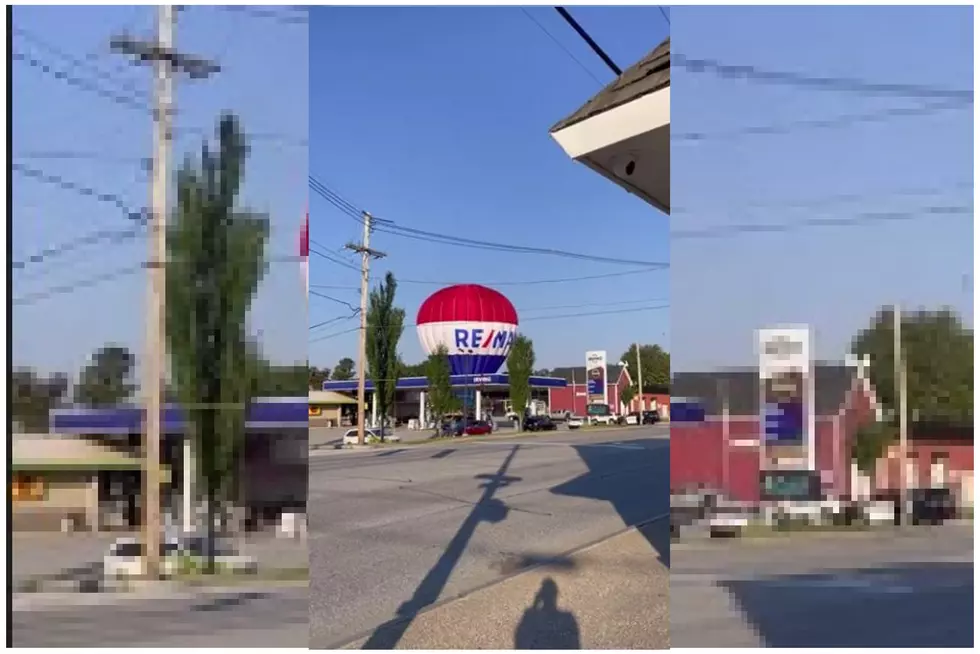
x=197 y=576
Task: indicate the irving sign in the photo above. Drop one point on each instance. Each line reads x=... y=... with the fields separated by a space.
x=595 y=376
x=786 y=397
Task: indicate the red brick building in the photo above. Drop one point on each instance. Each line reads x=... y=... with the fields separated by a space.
x=724 y=454
x=573 y=398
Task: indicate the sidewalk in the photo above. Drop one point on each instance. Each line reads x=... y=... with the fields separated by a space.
x=612 y=595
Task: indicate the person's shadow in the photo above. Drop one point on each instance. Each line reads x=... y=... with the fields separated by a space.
x=544 y=626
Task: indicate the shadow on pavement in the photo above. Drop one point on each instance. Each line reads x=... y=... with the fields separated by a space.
x=518 y=562
x=638 y=490
x=544 y=625
x=487 y=509
x=926 y=605
x=442 y=454
x=230 y=602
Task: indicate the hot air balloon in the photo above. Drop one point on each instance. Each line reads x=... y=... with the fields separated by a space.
x=476 y=324
x=304 y=252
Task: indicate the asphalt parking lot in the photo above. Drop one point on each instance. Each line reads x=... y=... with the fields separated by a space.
x=898 y=588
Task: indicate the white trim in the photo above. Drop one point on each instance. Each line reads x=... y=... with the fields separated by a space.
x=639 y=116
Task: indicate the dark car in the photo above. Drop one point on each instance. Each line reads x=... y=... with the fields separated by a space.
x=931 y=505
x=539 y=423
x=650 y=418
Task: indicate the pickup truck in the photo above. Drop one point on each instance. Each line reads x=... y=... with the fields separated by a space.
x=600 y=414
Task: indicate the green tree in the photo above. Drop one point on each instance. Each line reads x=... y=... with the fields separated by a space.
x=627 y=394
x=385 y=324
x=655 y=362
x=441 y=399
x=317 y=376
x=520 y=364
x=216 y=260
x=870 y=443
x=344 y=370
x=414 y=370
x=107 y=379
x=32 y=398
x=938 y=353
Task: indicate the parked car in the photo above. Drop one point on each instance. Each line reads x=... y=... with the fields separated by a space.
x=477 y=428
x=539 y=423
x=370 y=434
x=632 y=418
x=650 y=418
x=601 y=414
x=931 y=505
x=125 y=556
x=574 y=422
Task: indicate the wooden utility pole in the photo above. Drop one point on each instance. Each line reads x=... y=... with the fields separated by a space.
x=165 y=61
x=900 y=396
x=364 y=248
x=639 y=379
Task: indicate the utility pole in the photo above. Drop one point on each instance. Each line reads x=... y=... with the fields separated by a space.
x=364 y=248
x=900 y=395
x=165 y=61
x=725 y=434
x=639 y=379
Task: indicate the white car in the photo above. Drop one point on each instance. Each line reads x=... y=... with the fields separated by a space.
x=371 y=434
x=125 y=556
x=574 y=422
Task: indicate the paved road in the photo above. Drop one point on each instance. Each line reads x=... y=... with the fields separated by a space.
x=274 y=618
x=393 y=531
x=911 y=588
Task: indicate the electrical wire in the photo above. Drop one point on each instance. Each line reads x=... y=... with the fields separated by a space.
x=333 y=299
x=725 y=231
x=33 y=298
x=834 y=84
x=663 y=12
x=75 y=62
x=334 y=335
x=80 y=83
x=533 y=282
x=393 y=228
x=287 y=18
x=562 y=46
x=821 y=123
x=589 y=40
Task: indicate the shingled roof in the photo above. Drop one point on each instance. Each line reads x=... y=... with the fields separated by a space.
x=648 y=75
x=831 y=384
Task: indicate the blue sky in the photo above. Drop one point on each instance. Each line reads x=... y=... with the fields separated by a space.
x=262 y=59
x=831 y=278
x=438 y=119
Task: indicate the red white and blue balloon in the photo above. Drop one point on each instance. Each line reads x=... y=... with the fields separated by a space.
x=476 y=324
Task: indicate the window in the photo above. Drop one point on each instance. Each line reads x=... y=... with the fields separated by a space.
x=27 y=488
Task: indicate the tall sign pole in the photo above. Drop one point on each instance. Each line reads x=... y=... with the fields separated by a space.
x=165 y=60
x=900 y=395
x=364 y=248
x=639 y=382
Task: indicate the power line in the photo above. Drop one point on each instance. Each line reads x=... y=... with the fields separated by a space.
x=562 y=46
x=588 y=39
x=284 y=17
x=86 y=85
x=332 y=320
x=391 y=227
x=722 y=231
x=113 y=236
x=81 y=189
x=33 y=298
x=334 y=259
x=597 y=313
x=822 y=123
x=845 y=198
x=836 y=84
x=663 y=12
x=524 y=310
x=333 y=299
x=334 y=335
x=532 y=282
x=76 y=62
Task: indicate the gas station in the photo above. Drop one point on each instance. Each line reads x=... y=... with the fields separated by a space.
x=481 y=394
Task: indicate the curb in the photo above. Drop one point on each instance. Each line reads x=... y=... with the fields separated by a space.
x=55 y=601
x=347 y=642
